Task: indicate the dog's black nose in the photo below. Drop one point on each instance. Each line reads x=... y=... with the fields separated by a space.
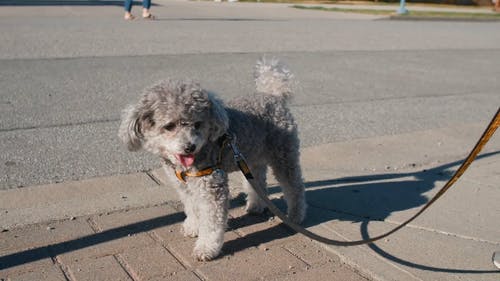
x=190 y=148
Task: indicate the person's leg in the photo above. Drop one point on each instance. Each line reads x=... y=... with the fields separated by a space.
x=146 y=5
x=128 y=9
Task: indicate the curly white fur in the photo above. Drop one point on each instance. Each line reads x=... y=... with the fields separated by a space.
x=183 y=124
x=272 y=77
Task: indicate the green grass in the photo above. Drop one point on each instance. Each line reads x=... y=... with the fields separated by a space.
x=410 y=15
x=345 y=10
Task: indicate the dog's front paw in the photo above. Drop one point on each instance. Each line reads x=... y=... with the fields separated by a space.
x=189 y=229
x=204 y=252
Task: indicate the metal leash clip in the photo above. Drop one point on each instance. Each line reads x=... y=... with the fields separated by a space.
x=239 y=158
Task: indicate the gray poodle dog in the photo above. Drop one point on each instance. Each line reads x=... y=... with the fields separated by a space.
x=189 y=128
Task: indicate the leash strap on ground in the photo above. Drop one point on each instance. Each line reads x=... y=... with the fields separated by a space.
x=490 y=130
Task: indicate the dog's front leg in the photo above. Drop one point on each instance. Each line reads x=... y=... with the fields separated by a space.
x=191 y=223
x=213 y=208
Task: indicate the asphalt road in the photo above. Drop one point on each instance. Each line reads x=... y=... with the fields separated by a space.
x=67 y=71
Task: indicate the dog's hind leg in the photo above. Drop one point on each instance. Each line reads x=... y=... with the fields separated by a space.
x=254 y=203
x=286 y=169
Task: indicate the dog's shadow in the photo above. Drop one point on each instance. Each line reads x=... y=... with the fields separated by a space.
x=358 y=199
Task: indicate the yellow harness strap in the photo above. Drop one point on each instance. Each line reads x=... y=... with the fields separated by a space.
x=181 y=175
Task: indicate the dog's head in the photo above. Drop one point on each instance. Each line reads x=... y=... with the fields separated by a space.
x=174 y=119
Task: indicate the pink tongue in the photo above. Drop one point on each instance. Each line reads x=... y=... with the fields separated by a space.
x=186 y=160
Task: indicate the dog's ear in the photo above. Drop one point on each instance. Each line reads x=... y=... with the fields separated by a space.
x=219 y=118
x=135 y=120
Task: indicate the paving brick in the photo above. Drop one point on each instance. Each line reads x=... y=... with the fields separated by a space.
x=44 y=234
x=102 y=245
x=251 y=264
x=140 y=220
x=321 y=265
x=310 y=253
x=161 y=219
x=234 y=244
x=103 y=269
x=177 y=276
x=25 y=262
x=169 y=233
x=182 y=247
x=52 y=273
x=260 y=230
x=152 y=261
x=326 y=272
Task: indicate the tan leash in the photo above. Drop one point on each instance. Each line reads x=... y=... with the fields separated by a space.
x=488 y=133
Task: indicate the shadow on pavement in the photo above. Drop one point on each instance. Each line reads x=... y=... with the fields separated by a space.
x=360 y=199
x=375 y=197
x=368 y=200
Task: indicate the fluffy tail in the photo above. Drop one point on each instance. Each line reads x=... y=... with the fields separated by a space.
x=273 y=78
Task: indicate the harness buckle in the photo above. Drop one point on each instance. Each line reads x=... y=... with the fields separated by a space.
x=181 y=175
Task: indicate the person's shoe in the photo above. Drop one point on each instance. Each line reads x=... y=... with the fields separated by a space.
x=129 y=17
x=148 y=17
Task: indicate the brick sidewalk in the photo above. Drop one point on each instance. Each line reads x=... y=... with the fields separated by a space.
x=125 y=230
x=146 y=244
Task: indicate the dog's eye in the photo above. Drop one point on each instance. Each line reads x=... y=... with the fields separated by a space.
x=197 y=125
x=169 y=127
